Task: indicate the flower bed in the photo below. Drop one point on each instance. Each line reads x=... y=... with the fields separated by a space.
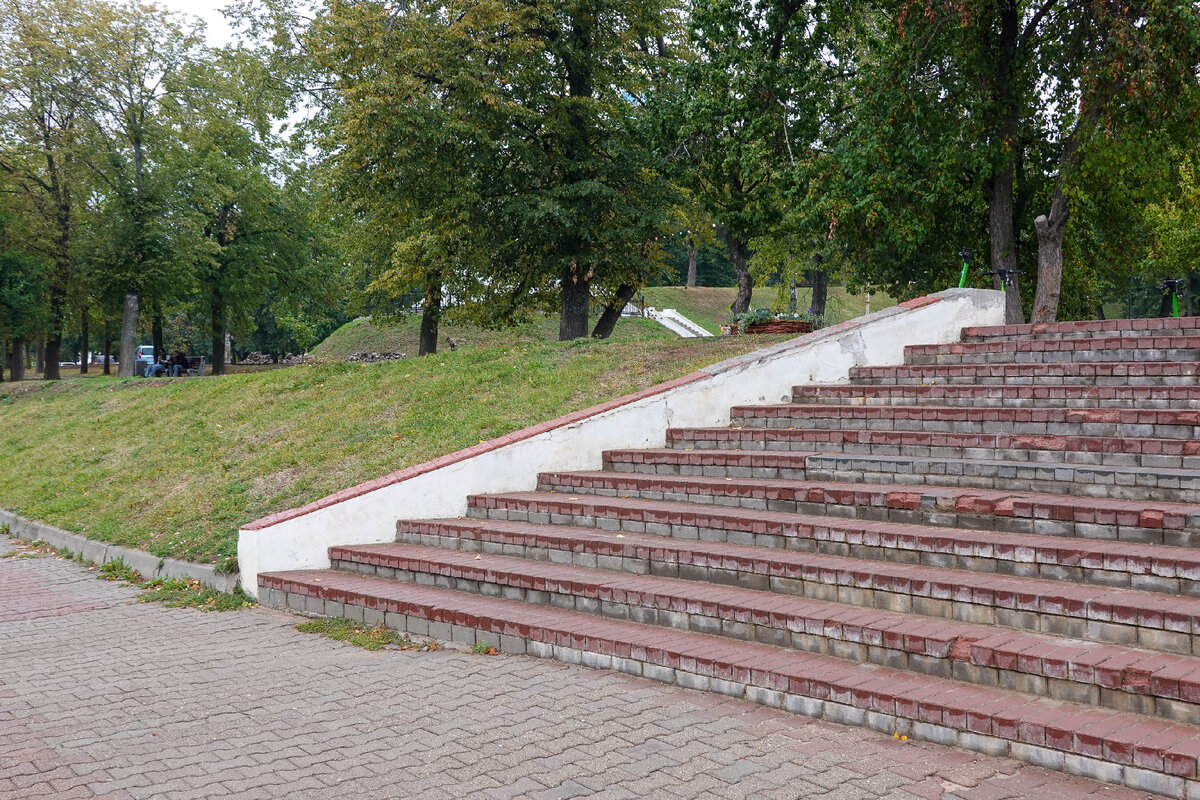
x=774 y=326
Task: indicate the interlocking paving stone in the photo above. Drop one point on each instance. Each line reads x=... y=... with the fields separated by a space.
x=109 y=698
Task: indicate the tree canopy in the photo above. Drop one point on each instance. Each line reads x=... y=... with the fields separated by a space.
x=492 y=159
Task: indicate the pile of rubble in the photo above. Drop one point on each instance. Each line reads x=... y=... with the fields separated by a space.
x=368 y=358
x=258 y=359
x=262 y=359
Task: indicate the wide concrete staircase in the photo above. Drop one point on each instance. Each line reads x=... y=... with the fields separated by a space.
x=994 y=546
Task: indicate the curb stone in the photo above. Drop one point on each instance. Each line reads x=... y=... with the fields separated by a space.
x=148 y=564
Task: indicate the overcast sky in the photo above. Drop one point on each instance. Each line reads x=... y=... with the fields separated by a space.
x=210 y=12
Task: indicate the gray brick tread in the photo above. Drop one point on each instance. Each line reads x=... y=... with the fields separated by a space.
x=1184 y=373
x=1067 y=395
x=1083 y=480
x=1130 y=451
x=822 y=685
x=1099 y=348
x=1153 y=326
x=766 y=615
x=999 y=503
x=1103 y=561
x=1182 y=424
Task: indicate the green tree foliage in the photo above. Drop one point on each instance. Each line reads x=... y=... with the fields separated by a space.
x=135 y=100
x=21 y=296
x=1174 y=226
x=490 y=152
x=41 y=141
x=747 y=103
x=253 y=219
x=991 y=125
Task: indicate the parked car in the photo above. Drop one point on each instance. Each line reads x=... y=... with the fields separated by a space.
x=145 y=357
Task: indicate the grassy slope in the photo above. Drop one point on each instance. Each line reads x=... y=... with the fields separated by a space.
x=710 y=306
x=174 y=466
x=365 y=336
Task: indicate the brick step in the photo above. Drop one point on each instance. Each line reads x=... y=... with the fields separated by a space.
x=1156 y=326
x=1038 y=351
x=1084 y=480
x=1100 y=450
x=993 y=395
x=556 y=568
x=1102 y=422
x=1143 y=521
x=1129 y=749
x=1100 y=373
x=1147 y=567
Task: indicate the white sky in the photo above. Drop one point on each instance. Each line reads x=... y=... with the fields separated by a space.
x=208 y=10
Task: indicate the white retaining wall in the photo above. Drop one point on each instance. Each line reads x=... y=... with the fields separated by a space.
x=300 y=538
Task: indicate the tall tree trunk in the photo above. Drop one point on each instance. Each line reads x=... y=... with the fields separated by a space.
x=1050 y=232
x=3 y=357
x=16 y=369
x=1004 y=119
x=156 y=332
x=576 y=294
x=820 y=291
x=575 y=279
x=107 y=353
x=84 y=341
x=52 y=358
x=1002 y=224
x=612 y=311
x=129 y=320
x=1164 y=304
x=217 y=312
x=692 y=252
x=737 y=255
x=431 y=313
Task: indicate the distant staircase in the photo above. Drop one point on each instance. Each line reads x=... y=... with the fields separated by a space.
x=992 y=546
x=675 y=322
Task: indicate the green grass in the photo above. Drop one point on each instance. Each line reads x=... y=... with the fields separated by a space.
x=709 y=306
x=176 y=466
x=364 y=335
x=118 y=570
x=359 y=635
x=190 y=593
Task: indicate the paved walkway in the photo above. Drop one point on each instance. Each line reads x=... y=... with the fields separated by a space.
x=101 y=696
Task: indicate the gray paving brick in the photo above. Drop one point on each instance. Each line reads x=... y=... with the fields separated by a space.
x=140 y=702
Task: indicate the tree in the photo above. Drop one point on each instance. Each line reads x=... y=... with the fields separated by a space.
x=495 y=150
x=1174 y=224
x=40 y=120
x=21 y=295
x=134 y=102
x=974 y=116
x=257 y=236
x=746 y=104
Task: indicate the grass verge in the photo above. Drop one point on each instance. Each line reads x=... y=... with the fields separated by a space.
x=190 y=593
x=370 y=638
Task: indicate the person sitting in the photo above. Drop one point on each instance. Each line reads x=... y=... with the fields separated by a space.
x=179 y=364
x=154 y=370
